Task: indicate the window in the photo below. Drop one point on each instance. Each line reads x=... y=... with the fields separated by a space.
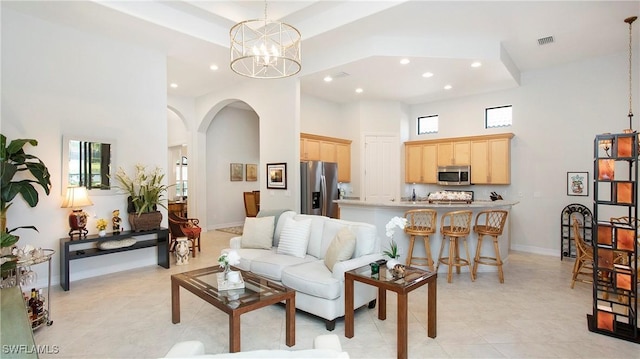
x=428 y=124
x=497 y=116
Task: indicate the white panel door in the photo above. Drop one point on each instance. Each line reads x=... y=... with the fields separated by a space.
x=382 y=168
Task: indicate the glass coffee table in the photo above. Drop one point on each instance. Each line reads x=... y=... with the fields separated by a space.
x=384 y=281
x=257 y=293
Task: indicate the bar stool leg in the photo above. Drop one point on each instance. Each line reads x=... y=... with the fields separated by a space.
x=466 y=247
x=427 y=249
x=498 y=259
x=444 y=239
x=410 y=254
x=457 y=259
x=452 y=251
x=477 y=257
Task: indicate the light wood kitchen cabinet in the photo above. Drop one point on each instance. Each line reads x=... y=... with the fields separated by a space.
x=343 y=157
x=490 y=161
x=420 y=163
x=454 y=153
x=328 y=149
x=489 y=157
x=309 y=149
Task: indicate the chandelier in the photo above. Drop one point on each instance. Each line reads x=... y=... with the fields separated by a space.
x=265 y=49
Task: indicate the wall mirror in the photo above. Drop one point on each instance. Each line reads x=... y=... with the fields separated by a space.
x=87 y=162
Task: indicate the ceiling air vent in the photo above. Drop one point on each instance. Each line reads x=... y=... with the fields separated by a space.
x=340 y=74
x=545 y=40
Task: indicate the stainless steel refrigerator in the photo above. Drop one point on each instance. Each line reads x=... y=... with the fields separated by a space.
x=319 y=188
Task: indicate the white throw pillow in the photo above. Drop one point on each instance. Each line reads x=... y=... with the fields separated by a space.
x=257 y=232
x=341 y=248
x=294 y=238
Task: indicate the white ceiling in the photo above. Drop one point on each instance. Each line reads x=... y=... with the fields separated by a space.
x=364 y=39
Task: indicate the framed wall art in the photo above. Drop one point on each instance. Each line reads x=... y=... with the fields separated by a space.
x=236 y=172
x=251 y=172
x=577 y=183
x=277 y=175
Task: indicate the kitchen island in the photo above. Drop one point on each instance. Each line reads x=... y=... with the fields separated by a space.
x=380 y=213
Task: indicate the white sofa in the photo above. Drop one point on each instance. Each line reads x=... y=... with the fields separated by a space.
x=319 y=290
x=324 y=346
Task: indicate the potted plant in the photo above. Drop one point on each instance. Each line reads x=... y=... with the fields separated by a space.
x=146 y=192
x=20 y=173
x=101 y=225
x=393 y=252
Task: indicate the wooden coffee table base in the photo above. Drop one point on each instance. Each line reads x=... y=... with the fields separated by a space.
x=186 y=281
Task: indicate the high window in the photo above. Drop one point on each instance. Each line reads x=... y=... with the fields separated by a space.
x=497 y=116
x=428 y=124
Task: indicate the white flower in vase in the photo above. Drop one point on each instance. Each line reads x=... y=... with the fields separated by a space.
x=392 y=252
x=230 y=258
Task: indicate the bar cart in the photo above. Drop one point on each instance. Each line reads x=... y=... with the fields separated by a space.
x=23 y=271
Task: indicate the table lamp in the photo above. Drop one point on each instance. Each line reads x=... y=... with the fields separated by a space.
x=77 y=197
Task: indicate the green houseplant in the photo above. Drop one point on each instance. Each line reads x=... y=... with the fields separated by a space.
x=146 y=192
x=20 y=174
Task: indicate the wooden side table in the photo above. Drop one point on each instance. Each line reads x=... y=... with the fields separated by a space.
x=414 y=278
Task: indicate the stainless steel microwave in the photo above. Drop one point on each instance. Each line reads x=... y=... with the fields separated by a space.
x=454 y=175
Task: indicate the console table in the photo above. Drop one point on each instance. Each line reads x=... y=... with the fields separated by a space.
x=68 y=253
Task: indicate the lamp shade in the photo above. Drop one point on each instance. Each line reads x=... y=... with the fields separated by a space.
x=76 y=197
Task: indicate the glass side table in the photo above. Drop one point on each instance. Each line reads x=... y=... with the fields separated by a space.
x=413 y=278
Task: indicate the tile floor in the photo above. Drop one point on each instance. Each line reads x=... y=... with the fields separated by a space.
x=534 y=314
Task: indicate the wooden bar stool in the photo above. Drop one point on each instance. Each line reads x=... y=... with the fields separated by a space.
x=455 y=226
x=420 y=223
x=489 y=223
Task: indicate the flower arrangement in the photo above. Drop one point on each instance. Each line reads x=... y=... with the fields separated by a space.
x=101 y=224
x=227 y=259
x=145 y=189
x=399 y=222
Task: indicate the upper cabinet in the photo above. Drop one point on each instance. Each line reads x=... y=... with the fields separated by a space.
x=420 y=164
x=489 y=157
x=491 y=160
x=327 y=149
x=454 y=153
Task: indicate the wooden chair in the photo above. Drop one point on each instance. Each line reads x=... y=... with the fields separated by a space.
x=184 y=227
x=583 y=267
x=250 y=204
x=420 y=223
x=455 y=226
x=489 y=223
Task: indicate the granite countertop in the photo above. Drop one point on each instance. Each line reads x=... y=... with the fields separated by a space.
x=426 y=204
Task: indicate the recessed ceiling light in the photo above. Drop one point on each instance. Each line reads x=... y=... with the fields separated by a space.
x=213 y=67
x=173 y=85
x=359 y=90
x=328 y=79
x=404 y=61
x=448 y=87
x=427 y=74
x=476 y=64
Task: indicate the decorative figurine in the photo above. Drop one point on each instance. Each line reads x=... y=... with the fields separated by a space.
x=116 y=220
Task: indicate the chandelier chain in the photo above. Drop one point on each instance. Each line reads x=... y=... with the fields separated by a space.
x=630 y=66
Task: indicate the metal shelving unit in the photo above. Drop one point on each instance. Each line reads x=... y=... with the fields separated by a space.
x=615 y=277
x=585 y=217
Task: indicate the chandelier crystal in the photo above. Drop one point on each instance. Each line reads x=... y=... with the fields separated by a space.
x=265 y=49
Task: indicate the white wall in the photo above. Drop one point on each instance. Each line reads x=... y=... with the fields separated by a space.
x=556 y=114
x=232 y=137
x=55 y=81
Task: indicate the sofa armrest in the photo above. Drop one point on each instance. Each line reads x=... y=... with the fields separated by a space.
x=234 y=243
x=340 y=267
